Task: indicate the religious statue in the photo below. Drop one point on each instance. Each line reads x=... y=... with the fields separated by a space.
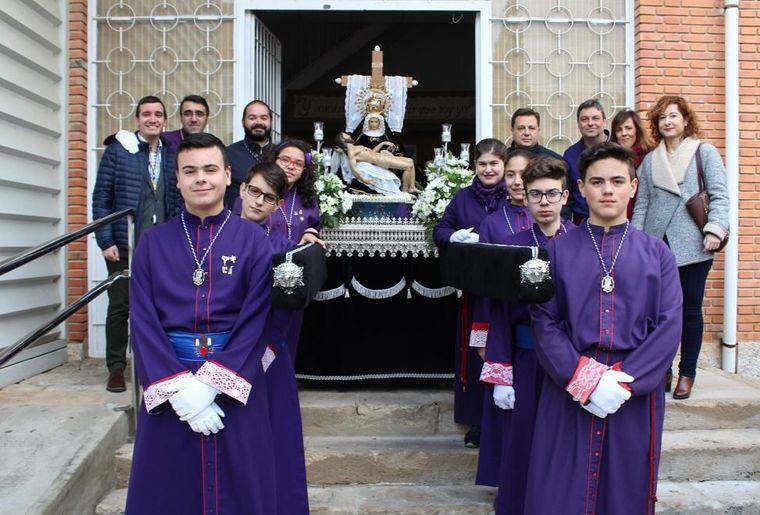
x=375 y=107
x=371 y=166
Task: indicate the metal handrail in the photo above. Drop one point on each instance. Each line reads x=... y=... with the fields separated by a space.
x=40 y=250
x=54 y=244
x=72 y=308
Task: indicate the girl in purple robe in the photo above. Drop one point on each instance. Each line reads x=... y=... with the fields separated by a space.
x=299 y=212
x=200 y=292
x=510 y=369
x=464 y=213
x=604 y=340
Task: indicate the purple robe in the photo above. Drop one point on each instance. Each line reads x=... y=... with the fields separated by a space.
x=464 y=211
x=291 y=221
x=506 y=436
x=173 y=139
x=602 y=465
x=176 y=470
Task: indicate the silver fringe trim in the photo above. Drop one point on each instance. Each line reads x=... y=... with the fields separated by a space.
x=385 y=293
x=433 y=293
x=331 y=294
x=365 y=377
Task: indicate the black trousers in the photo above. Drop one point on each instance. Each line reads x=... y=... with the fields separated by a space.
x=117 y=318
x=693 y=279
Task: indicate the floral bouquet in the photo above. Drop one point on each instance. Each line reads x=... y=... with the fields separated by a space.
x=443 y=182
x=334 y=202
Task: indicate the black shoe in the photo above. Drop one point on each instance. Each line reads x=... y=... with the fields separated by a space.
x=472 y=438
x=116 y=382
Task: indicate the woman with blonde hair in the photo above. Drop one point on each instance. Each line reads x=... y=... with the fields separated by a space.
x=668 y=178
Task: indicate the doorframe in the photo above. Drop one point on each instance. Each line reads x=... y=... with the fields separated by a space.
x=483 y=45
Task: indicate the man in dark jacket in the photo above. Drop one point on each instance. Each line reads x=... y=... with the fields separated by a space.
x=526 y=129
x=243 y=154
x=137 y=171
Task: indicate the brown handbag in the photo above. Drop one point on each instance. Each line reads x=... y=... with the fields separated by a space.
x=698 y=205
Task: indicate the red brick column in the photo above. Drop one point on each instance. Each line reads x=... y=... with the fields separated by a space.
x=680 y=50
x=76 y=206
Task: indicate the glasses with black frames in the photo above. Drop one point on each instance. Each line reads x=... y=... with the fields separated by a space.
x=552 y=196
x=255 y=192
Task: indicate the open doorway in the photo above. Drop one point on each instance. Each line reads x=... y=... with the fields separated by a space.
x=435 y=48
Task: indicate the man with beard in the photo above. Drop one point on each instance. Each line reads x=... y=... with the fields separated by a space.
x=193 y=113
x=243 y=154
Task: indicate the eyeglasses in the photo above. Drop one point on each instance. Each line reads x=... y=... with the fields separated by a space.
x=552 y=196
x=286 y=161
x=254 y=192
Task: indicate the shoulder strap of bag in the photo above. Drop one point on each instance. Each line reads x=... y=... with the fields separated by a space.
x=700 y=173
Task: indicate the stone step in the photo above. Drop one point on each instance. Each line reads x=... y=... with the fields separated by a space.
x=708 y=498
x=376 y=413
x=710 y=455
x=674 y=498
x=719 y=401
x=701 y=455
x=360 y=499
x=435 y=459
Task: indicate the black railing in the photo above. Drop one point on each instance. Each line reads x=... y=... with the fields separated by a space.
x=25 y=257
x=72 y=308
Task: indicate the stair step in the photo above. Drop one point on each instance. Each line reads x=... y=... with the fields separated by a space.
x=436 y=459
x=375 y=413
x=113 y=503
x=710 y=455
x=401 y=499
x=674 y=498
x=708 y=498
x=360 y=499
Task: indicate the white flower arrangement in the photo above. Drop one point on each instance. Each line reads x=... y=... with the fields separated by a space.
x=334 y=202
x=443 y=183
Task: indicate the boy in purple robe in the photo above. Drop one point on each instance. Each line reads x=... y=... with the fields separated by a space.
x=260 y=195
x=510 y=369
x=605 y=341
x=200 y=297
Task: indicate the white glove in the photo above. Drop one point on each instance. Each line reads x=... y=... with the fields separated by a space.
x=208 y=420
x=609 y=395
x=504 y=396
x=192 y=397
x=464 y=236
x=128 y=140
x=594 y=410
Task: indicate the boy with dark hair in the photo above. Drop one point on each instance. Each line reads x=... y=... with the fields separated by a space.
x=510 y=366
x=605 y=341
x=200 y=292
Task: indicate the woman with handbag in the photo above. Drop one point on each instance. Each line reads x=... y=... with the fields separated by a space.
x=682 y=198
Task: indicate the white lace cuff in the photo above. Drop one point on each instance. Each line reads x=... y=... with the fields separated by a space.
x=224 y=380
x=160 y=391
x=268 y=357
x=496 y=373
x=586 y=377
x=479 y=334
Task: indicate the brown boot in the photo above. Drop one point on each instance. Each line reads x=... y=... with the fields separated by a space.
x=116 y=382
x=683 y=387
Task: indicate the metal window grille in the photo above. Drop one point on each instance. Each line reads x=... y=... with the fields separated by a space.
x=551 y=55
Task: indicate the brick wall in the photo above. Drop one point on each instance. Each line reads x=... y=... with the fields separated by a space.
x=77 y=164
x=680 y=50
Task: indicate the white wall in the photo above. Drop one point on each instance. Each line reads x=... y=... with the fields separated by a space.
x=33 y=82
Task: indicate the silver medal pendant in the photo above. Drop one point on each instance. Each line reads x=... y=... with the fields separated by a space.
x=199 y=276
x=608 y=284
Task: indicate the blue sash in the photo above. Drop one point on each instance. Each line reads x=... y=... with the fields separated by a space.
x=524 y=337
x=188 y=346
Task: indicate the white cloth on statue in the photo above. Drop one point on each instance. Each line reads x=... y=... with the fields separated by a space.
x=395 y=85
x=385 y=181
